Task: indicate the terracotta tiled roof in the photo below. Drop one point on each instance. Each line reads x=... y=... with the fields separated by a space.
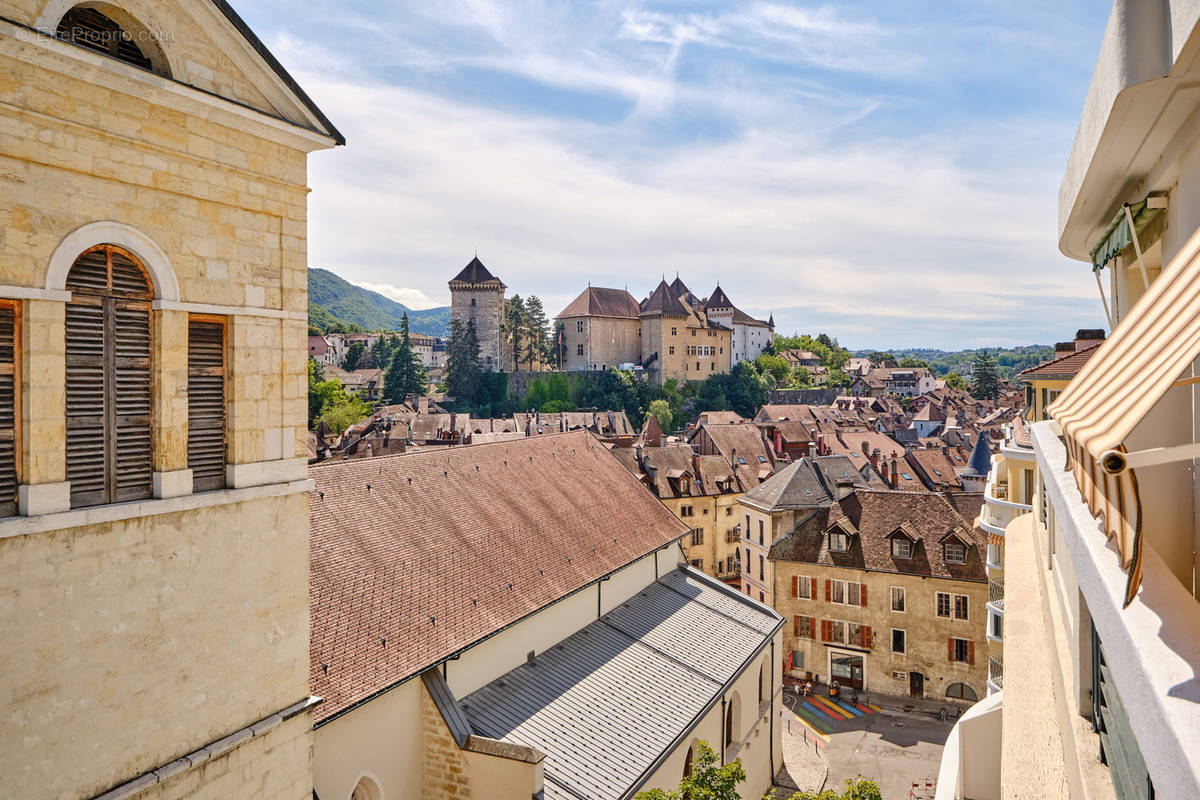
x=428 y=565
x=937 y=470
x=1063 y=367
x=876 y=515
x=596 y=301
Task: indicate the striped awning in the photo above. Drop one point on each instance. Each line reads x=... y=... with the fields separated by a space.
x=1127 y=375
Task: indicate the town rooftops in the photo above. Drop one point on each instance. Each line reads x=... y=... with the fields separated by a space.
x=434 y=551
x=596 y=301
x=981 y=458
x=663 y=302
x=608 y=703
x=811 y=482
x=925 y=518
x=476 y=273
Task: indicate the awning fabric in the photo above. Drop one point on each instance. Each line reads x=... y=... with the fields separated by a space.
x=1127 y=375
x=1117 y=236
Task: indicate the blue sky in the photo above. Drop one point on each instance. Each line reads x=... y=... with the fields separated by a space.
x=885 y=172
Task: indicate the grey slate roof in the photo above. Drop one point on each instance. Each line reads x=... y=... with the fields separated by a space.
x=605 y=703
x=981 y=457
x=811 y=482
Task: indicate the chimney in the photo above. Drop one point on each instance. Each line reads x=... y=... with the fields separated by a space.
x=895 y=474
x=453 y=423
x=733 y=458
x=875 y=458
x=1088 y=337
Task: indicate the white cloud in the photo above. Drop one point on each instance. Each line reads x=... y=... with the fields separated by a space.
x=413 y=298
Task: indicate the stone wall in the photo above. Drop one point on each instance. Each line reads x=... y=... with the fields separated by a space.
x=444 y=764
x=486 y=306
x=607 y=342
x=809 y=397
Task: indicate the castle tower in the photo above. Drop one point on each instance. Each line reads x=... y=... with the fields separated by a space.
x=477 y=294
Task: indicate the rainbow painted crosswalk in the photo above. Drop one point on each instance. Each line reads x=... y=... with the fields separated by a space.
x=820 y=713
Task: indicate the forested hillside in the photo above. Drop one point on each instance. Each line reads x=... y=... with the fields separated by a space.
x=332 y=299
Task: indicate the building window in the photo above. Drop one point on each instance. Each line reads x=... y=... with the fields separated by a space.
x=955 y=553
x=804 y=588
x=729 y=512
x=997 y=626
x=206 y=403
x=962 y=650
x=671 y=350
x=943 y=604
x=762 y=564
x=672 y=330
x=898 y=640
x=960 y=606
x=747 y=566
x=697 y=536
x=839 y=542
x=91 y=29
x=10 y=405
x=747 y=527
x=897 y=598
x=579 y=349
x=693 y=332
x=960 y=691
x=901 y=547
x=579 y=326
x=803 y=627
x=472 y=301
x=697 y=563
x=687 y=511
x=108 y=378
x=761 y=539
x=761 y=597
x=846 y=592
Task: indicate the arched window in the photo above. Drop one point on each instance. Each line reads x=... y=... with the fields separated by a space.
x=732 y=718
x=106 y=29
x=960 y=691
x=108 y=378
x=687 y=762
x=366 y=789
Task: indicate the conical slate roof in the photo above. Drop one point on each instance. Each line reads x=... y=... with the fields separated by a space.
x=678 y=288
x=662 y=301
x=476 y=272
x=981 y=457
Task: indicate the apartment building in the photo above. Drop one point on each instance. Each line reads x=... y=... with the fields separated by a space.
x=153 y=485
x=1101 y=619
x=885 y=591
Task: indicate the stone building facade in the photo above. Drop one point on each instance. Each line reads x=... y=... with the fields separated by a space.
x=600 y=329
x=476 y=294
x=153 y=204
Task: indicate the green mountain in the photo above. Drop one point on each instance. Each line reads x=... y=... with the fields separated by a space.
x=330 y=296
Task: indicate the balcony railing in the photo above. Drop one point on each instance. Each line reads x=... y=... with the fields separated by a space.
x=996 y=671
x=996 y=592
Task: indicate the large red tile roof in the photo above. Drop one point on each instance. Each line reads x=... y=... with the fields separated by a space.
x=1062 y=367
x=447 y=547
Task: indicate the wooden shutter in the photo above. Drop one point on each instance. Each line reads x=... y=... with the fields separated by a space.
x=971 y=653
x=206 y=403
x=828 y=591
x=862 y=595
x=826 y=630
x=950 y=650
x=108 y=383
x=796 y=626
x=813 y=590
x=10 y=405
x=795 y=586
x=864 y=636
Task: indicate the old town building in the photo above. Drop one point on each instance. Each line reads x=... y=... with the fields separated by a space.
x=546 y=642
x=885 y=590
x=153 y=553
x=600 y=329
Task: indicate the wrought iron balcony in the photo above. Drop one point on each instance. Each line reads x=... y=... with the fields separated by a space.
x=996 y=670
x=996 y=592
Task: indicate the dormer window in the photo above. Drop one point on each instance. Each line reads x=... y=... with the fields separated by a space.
x=839 y=541
x=901 y=547
x=114 y=34
x=954 y=553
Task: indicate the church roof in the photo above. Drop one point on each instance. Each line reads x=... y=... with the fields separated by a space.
x=596 y=301
x=476 y=272
x=663 y=301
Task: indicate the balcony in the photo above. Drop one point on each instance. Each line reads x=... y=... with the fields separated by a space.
x=998 y=510
x=996 y=594
x=995 y=674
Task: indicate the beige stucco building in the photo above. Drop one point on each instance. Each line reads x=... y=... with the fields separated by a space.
x=551 y=640
x=153 y=552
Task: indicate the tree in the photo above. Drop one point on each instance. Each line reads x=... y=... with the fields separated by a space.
x=462 y=362
x=878 y=357
x=987 y=383
x=775 y=365
x=955 y=381
x=405 y=373
x=353 y=353
x=344 y=413
x=802 y=378
x=839 y=379
x=516 y=321
x=747 y=392
x=384 y=348
x=707 y=781
x=856 y=789
x=537 y=331
x=911 y=363
x=661 y=411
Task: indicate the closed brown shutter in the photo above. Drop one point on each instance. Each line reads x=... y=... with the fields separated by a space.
x=826 y=630
x=108 y=379
x=950 y=650
x=971 y=653
x=796 y=630
x=10 y=400
x=864 y=636
x=795 y=586
x=862 y=595
x=206 y=404
x=813 y=593
x=828 y=591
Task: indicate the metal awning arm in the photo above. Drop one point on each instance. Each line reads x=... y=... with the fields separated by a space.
x=1137 y=246
x=1115 y=462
